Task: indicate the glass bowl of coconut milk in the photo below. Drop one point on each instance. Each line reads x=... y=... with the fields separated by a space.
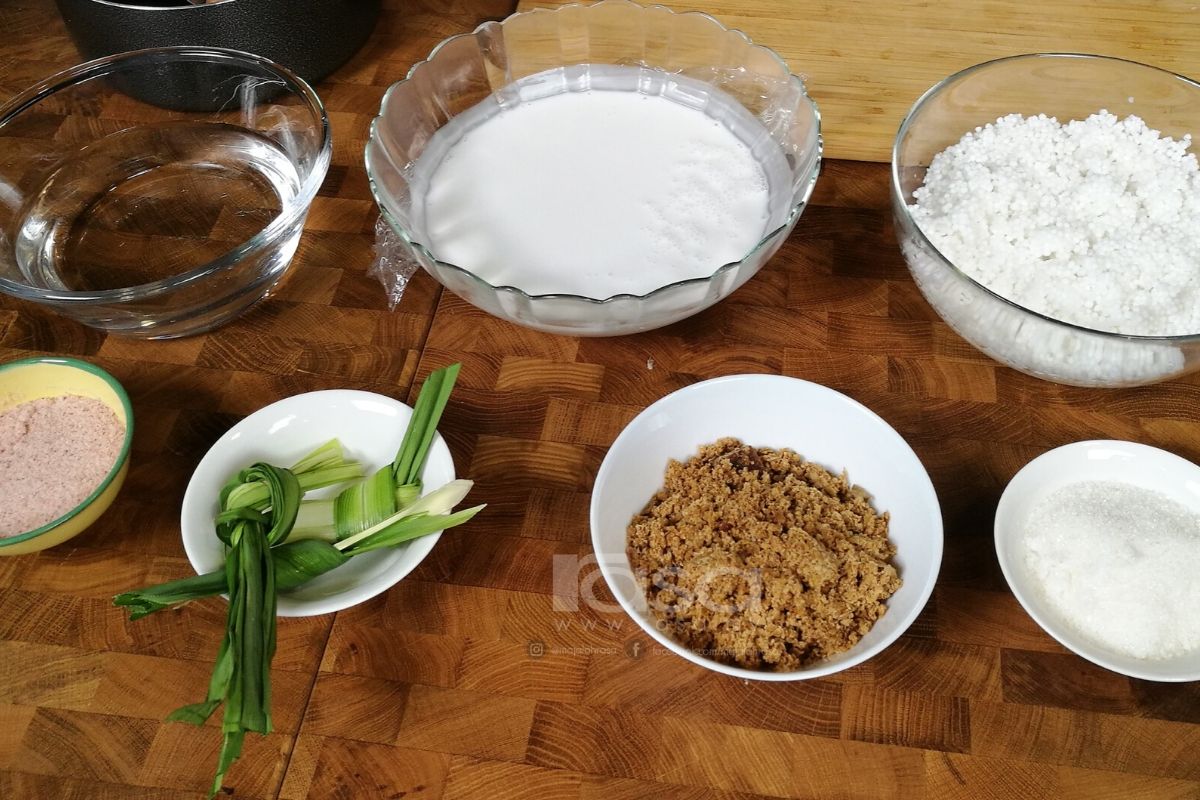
x=595 y=170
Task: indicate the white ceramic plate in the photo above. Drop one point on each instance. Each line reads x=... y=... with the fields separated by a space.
x=824 y=427
x=1125 y=462
x=370 y=427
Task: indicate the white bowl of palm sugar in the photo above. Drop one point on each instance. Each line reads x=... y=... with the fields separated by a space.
x=1099 y=541
x=764 y=527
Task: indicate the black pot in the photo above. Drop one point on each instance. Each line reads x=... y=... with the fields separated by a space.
x=310 y=37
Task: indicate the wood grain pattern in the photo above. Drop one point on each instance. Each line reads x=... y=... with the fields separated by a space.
x=476 y=677
x=866 y=63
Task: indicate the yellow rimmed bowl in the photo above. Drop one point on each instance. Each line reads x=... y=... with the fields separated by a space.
x=31 y=379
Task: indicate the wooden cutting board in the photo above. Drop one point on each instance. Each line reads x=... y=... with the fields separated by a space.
x=466 y=681
x=867 y=62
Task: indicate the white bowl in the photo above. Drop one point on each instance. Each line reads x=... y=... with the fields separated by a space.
x=1126 y=462
x=370 y=427
x=824 y=427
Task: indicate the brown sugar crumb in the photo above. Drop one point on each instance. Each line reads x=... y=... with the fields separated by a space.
x=760 y=559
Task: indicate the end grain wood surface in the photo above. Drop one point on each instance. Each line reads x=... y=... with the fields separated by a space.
x=463 y=681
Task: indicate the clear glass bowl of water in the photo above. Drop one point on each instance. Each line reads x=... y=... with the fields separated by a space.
x=614 y=45
x=157 y=193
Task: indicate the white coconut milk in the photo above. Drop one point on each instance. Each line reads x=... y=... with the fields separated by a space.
x=599 y=191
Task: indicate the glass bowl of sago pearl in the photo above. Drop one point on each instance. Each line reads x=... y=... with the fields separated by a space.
x=594 y=170
x=1048 y=206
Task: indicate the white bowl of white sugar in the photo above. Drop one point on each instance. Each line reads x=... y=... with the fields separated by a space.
x=1100 y=542
x=1048 y=207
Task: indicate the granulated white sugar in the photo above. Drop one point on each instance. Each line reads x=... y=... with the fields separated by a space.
x=54 y=452
x=1118 y=562
x=1094 y=222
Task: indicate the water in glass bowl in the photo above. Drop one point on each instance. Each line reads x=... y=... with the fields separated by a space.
x=149 y=203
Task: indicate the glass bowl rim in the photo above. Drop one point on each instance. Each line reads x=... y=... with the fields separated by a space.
x=122 y=456
x=100 y=67
x=793 y=212
x=900 y=205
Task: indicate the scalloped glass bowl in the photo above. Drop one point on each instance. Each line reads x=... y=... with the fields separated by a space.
x=530 y=54
x=1067 y=86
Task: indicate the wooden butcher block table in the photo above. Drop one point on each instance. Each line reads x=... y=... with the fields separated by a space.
x=430 y=691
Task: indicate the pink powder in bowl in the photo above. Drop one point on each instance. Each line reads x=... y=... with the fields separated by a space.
x=54 y=452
